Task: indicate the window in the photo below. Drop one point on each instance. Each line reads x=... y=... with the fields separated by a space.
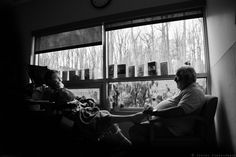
x=136 y=94
x=74 y=64
x=173 y=43
x=132 y=61
x=89 y=93
x=144 y=54
x=76 y=54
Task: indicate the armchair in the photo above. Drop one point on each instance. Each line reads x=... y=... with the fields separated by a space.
x=203 y=135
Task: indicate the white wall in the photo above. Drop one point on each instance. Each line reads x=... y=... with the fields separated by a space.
x=222 y=49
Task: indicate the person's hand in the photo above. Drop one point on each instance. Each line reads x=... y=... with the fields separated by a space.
x=138 y=117
x=148 y=110
x=74 y=103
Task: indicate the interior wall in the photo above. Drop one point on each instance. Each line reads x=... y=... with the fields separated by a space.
x=221 y=27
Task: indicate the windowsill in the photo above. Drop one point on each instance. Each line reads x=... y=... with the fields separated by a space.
x=125 y=111
x=126 y=79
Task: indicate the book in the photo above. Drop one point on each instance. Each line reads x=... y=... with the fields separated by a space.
x=140 y=71
x=92 y=75
x=72 y=76
x=111 y=71
x=86 y=74
x=152 y=68
x=79 y=74
x=164 y=68
x=131 y=71
x=121 y=70
x=64 y=76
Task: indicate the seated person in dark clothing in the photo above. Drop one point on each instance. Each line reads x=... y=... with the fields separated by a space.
x=88 y=118
x=189 y=100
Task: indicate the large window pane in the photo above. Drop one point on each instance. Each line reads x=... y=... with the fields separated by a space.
x=174 y=42
x=74 y=63
x=136 y=94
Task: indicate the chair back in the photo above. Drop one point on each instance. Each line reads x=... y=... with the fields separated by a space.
x=207 y=130
x=209 y=108
x=36 y=74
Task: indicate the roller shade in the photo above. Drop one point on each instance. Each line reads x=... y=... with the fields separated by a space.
x=70 y=39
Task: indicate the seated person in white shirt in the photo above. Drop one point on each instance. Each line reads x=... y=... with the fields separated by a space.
x=189 y=100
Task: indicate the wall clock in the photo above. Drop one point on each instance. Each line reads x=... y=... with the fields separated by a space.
x=100 y=3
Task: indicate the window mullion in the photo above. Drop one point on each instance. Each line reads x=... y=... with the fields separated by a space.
x=207 y=59
x=104 y=84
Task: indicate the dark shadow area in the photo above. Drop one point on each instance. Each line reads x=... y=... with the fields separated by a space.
x=225 y=71
x=226 y=145
x=13 y=116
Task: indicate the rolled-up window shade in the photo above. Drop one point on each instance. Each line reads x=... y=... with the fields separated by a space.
x=70 y=39
x=155 y=19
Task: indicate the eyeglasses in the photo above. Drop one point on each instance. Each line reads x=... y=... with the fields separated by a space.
x=177 y=79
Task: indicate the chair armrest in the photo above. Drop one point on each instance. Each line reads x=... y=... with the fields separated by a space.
x=193 y=117
x=40 y=102
x=43 y=104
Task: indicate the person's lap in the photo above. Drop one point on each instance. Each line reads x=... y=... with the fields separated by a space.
x=140 y=133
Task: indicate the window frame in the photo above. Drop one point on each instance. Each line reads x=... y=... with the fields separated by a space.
x=102 y=83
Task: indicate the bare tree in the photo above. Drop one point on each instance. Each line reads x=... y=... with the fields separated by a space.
x=121 y=44
x=148 y=39
x=134 y=43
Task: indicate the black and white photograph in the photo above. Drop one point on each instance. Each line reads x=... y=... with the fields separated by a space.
x=117 y=78
x=152 y=68
x=121 y=70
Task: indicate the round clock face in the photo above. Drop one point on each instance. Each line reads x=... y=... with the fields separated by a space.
x=100 y=3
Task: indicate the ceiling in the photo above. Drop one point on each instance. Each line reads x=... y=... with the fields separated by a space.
x=16 y=2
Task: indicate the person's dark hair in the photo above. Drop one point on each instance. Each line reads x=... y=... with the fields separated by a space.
x=187 y=74
x=48 y=76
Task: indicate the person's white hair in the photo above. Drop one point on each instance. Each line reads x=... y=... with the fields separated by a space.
x=187 y=74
